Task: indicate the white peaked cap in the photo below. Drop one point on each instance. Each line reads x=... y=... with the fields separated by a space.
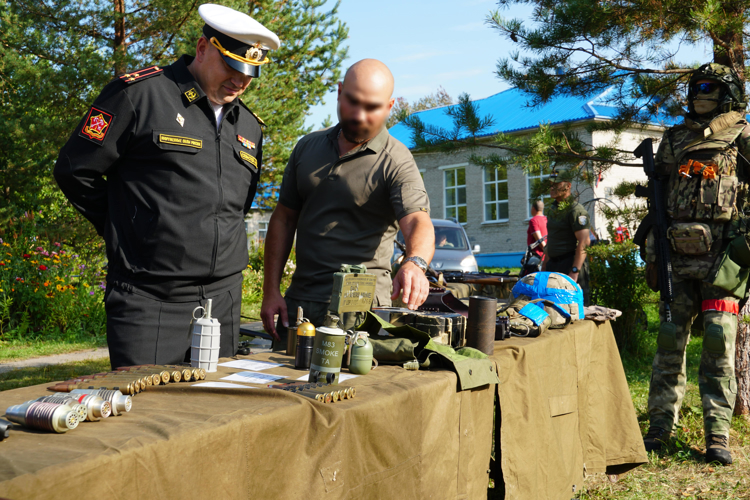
x=238 y=25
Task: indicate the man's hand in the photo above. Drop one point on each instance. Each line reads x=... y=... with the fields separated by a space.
x=411 y=280
x=273 y=304
x=573 y=276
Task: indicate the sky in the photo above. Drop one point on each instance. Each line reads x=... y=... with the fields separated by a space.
x=429 y=43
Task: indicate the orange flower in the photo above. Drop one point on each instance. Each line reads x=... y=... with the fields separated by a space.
x=46 y=283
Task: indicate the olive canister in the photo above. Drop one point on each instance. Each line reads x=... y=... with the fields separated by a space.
x=328 y=352
x=305 y=340
x=361 y=361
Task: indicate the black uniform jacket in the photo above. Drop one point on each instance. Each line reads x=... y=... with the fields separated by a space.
x=168 y=192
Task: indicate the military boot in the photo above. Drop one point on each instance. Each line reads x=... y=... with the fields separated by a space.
x=717 y=449
x=655 y=438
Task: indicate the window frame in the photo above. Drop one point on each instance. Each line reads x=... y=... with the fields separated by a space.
x=455 y=168
x=497 y=202
x=544 y=197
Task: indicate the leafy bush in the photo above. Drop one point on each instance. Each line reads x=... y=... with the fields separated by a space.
x=618 y=282
x=46 y=290
x=252 y=284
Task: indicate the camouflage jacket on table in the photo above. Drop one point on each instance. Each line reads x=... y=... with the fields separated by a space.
x=716 y=202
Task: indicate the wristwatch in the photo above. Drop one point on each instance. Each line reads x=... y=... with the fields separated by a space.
x=419 y=261
x=574 y=270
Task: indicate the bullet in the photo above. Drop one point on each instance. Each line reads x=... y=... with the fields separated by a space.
x=44 y=416
x=323 y=398
x=119 y=402
x=125 y=388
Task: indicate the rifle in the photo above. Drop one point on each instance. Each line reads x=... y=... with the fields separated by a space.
x=656 y=219
x=479 y=278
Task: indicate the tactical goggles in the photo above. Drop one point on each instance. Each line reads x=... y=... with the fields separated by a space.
x=705 y=88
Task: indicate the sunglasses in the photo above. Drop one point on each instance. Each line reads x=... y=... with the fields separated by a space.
x=705 y=88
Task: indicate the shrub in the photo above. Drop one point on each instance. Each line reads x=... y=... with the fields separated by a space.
x=46 y=290
x=252 y=284
x=618 y=281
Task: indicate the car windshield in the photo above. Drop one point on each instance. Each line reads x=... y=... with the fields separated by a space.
x=450 y=238
x=446 y=238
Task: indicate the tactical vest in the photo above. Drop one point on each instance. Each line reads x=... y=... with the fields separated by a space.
x=695 y=196
x=702 y=198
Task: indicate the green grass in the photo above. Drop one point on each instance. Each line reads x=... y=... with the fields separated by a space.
x=17 y=350
x=679 y=470
x=513 y=270
x=24 y=377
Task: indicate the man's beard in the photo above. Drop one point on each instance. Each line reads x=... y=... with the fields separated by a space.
x=354 y=133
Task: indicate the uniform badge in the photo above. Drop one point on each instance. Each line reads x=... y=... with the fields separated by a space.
x=96 y=125
x=191 y=95
x=180 y=120
x=245 y=142
x=249 y=158
x=582 y=220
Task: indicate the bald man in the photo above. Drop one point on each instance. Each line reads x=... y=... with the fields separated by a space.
x=346 y=191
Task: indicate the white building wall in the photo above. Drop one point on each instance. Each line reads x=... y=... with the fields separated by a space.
x=510 y=236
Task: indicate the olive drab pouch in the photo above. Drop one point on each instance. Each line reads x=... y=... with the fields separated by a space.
x=690 y=238
x=731 y=276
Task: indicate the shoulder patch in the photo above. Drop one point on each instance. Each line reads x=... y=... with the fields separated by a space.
x=97 y=125
x=141 y=74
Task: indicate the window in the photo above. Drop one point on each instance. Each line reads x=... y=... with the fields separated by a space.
x=455 y=194
x=496 y=194
x=262 y=230
x=533 y=181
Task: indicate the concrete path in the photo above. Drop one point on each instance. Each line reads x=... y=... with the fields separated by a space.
x=102 y=352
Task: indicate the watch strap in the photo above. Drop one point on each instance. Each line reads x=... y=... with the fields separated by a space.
x=419 y=261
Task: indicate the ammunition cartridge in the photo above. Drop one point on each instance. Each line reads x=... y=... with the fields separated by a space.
x=113 y=381
x=323 y=398
x=125 y=388
x=44 y=416
x=119 y=402
x=167 y=375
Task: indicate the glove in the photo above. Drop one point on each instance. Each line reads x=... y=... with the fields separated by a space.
x=739 y=251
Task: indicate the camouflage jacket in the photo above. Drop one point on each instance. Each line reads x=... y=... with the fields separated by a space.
x=709 y=172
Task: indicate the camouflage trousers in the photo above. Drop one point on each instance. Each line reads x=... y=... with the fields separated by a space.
x=716 y=378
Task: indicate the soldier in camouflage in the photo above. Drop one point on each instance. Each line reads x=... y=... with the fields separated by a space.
x=705 y=159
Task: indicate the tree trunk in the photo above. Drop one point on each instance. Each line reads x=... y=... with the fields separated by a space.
x=742 y=364
x=119 y=46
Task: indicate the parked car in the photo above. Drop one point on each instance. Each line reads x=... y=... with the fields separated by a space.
x=453 y=251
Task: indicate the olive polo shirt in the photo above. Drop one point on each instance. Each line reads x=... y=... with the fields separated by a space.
x=562 y=226
x=349 y=208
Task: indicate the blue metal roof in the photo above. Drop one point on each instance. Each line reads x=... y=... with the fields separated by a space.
x=512 y=113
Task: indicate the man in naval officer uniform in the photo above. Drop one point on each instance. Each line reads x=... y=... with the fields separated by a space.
x=165 y=165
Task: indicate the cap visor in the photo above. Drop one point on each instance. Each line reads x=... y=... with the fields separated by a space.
x=247 y=69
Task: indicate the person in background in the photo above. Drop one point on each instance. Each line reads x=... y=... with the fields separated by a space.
x=568 y=236
x=442 y=240
x=537 y=228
